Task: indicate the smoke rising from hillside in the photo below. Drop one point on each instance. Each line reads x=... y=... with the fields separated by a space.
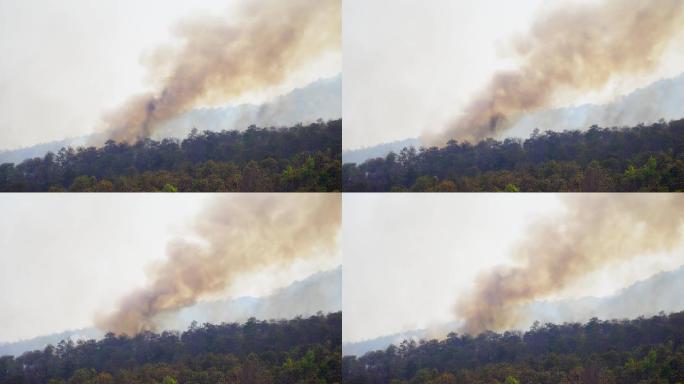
x=574 y=49
x=220 y=59
x=593 y=232
x=240 y=234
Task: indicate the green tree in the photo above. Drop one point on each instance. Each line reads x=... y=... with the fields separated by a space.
x=169 y=188
x=510 y=187
x=445 y=186
x=83 y=184
x=511 y=380
x=424 y=184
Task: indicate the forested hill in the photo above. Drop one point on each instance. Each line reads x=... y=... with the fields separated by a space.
x=644 y=350
x=642 y=158
x=302 y=350
x=299 y=158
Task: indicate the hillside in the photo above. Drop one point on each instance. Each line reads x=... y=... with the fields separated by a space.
x=320 y=99
x=662 y=99
x=641 y=158
x=299 y=158
x=320 y=292
x=381 y=150
x=647 y=297
x=285 y=351
x=636 y=298
x=18 y=347
x=643 y=350
x=39 y=150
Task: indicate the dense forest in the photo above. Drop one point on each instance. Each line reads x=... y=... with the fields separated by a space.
x=644 y=350
x=642 y=158
x=299 y=158
x=302 y=350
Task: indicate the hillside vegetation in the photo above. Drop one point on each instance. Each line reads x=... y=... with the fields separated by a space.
x=299 y=158
x=642 y=158
x=302 y=350
x=598 y=352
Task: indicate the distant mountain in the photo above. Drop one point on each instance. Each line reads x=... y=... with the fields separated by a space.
x=319 y=292
x=360 y=155
x=321 y=99
x=19 y=347
x=361 y=347
x=39 y=150
x=661 y=292
x=663 y=99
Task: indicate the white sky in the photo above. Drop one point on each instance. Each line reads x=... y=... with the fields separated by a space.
x=411 y=67
x=65 y=62
x=64 y=257
x=407 y=257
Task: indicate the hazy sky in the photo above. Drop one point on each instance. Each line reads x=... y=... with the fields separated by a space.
x=65 y=257
x=66 y=62
x=408 y=257
x=410 y=68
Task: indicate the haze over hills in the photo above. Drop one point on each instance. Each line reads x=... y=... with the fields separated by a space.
x=318 y=292
x=18 y=347
x=661 y=292
x=318 y=100
x=663 y=99
x=380 y=343
x=39 y=150
x=381 y=150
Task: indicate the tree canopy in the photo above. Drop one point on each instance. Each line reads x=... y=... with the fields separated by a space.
x=643 y=350
x=301 y=350
x=299 y=158
x=641 y=158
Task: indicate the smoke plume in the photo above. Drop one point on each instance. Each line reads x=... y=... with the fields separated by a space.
x=239 y=235
x=220 y=59
x=573 y=49
x=593 y=232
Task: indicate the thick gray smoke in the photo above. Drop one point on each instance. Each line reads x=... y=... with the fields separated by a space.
x=593 y=232
x=220 y=59
x=239 y=235
x=573 y=49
